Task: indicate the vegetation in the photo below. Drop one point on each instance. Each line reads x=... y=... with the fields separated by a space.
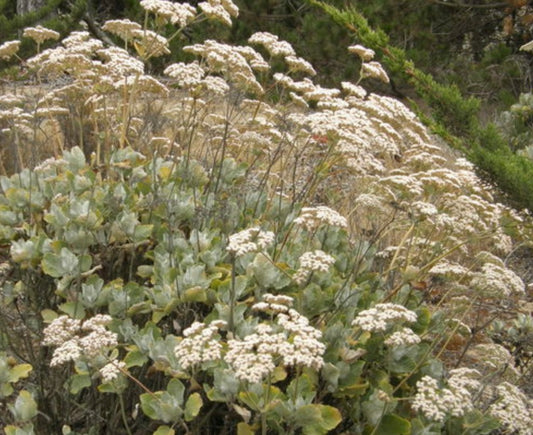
x=455 y=117
x=234 y=248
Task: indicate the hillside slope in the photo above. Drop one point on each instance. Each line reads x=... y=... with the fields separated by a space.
x=231 y=249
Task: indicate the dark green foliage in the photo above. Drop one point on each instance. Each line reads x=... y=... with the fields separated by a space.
x=512 y=173
x=11 y=23
x=449 y=107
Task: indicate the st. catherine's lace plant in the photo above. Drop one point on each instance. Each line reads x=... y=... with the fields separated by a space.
x=270 y=259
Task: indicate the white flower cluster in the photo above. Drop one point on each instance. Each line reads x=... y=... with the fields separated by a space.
x=192 y=76
x=124 y=28
x=382 y=316
x=249 y=240
x=437 y=403
x=494 y=357
x=221 y=10
x=75 y=339
x=313 y=261
x=62 y=329
x=144 y=83
x=364 y=53
x=272 y=43
x=8 y=49
x=252 y=359
x=8 y=99
x=422 y=210
x=513 y=409
x=175 y=13
x=312 y=217
x=298 y=64
x=497 y=281
x=404 y=337
x=85 y=59
x=201 y=344
x=370 y=201
x=374 y=70
x=448 y=268
x=305 y=347
x=40 y=34
x=355 y=90
x=119 y=62
x=236 y=64
x=187 y=75
x=112 y=370
x=369 y=68
x=273 y=303
x=295 y=343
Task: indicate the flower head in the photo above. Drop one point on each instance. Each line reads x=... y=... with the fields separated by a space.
x=201 y=344
x=364 y=53
x=112 y=370
x=61 y=329
x=40 y=34
x=175 y=13
x=374 y=70
x=8 y=49
x=498 y=281
x=437 y=403
x=123 y=28
x=252 y=359
x=187 y=75
x=315 y=261
x=382 y=316
x=250 y=240
x=272 y=43
x=312 y=217
x=513 y=409
x=76 y=339
x=404 y=337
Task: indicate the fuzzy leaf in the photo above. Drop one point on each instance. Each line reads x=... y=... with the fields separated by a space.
x=317 y=419
x=135 y=358
x=422 y=321
x=195 y=294
x=393 y=424
x=243 y=412
x=60 y=265
x=160 y=406
x=142 y=232
x=14 y=430
x=192 y=406
x=176 y=389
x=25 y=407
x=79 y=382
x=19 y=371
x=330 y=373
x=268 y=274
x=48 y=315
x=145 y=271
x=164 y=430
x=75 y=159
x=73 y=309
x=250 y=399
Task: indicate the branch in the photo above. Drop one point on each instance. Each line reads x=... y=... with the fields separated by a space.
x=96 y=30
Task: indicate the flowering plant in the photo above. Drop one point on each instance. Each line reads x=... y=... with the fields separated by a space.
x=221 y=263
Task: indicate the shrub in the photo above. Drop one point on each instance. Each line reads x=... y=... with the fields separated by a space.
x=196 y=258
